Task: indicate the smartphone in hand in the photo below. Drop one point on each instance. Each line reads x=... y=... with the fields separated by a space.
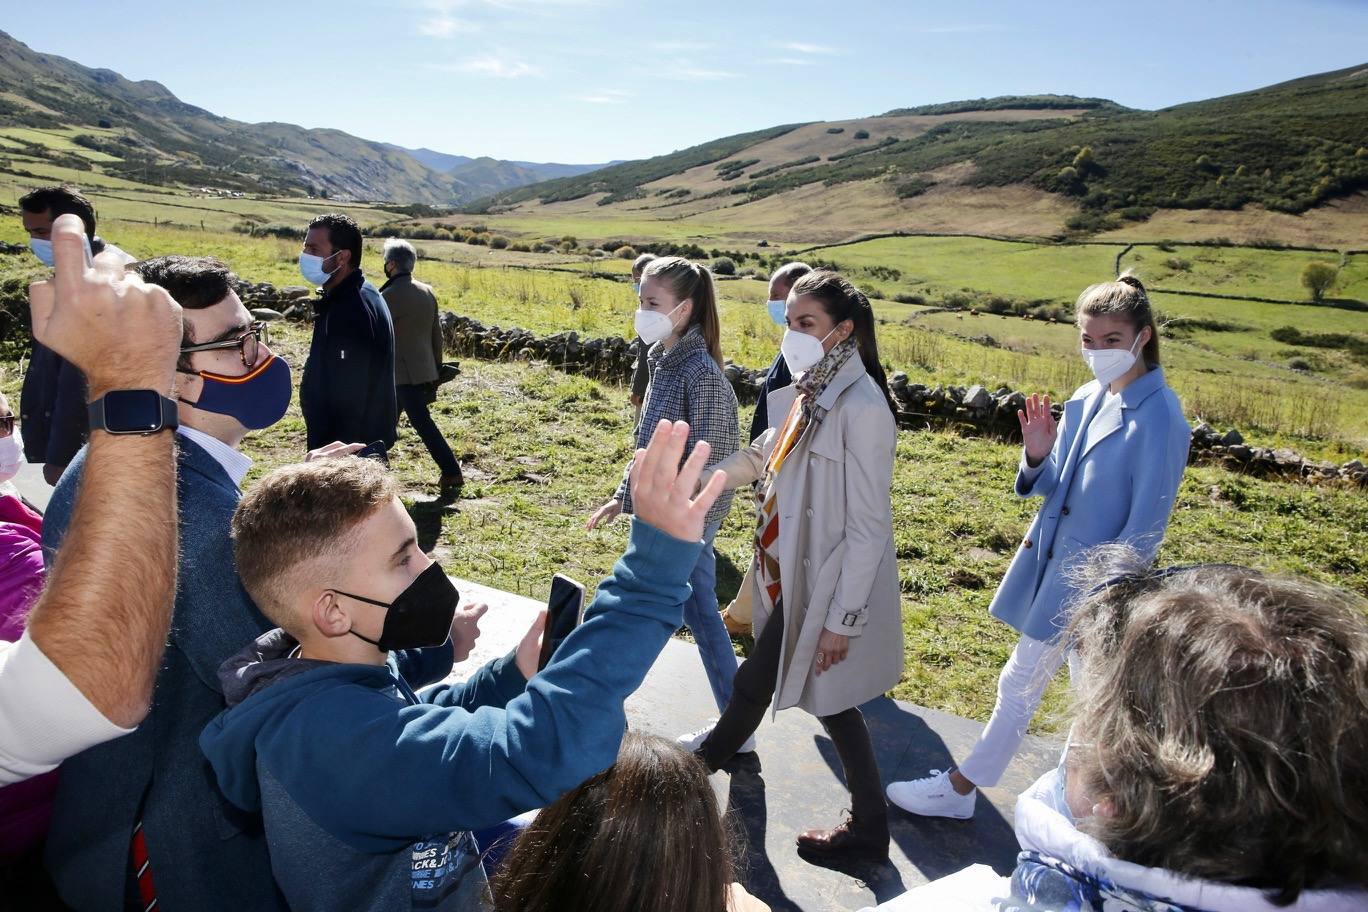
x=375 y=450
x=564 y=611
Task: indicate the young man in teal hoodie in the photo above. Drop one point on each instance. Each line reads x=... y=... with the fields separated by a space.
x=368 y=790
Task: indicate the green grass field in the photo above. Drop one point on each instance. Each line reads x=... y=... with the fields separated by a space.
x=542 y=448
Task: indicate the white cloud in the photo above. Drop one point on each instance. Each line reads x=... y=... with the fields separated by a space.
x=489 y=65
x=441 y=20
x=680 y=47
x=697 y=74
x=789 y=61
x=606 y=97
x=442 y=25
x=804 y=48
x=961 y=29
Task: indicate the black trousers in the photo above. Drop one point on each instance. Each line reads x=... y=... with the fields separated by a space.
x=752 y=693
x=413 y=400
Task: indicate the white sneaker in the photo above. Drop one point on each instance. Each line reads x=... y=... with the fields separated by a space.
x=932 y=796
x=694 y=739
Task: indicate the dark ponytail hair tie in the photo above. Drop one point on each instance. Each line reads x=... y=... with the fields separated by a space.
x=1133 y=282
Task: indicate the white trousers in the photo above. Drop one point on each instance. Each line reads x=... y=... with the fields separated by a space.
x=1021 y=685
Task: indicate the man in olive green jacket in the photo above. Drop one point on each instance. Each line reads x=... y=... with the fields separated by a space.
x=417 y=354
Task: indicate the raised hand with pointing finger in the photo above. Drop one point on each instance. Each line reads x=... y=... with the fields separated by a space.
x=119 y=331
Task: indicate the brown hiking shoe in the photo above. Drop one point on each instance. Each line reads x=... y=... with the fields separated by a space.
x=851 y=840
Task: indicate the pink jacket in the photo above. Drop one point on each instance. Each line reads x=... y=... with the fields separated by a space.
x=25 y=807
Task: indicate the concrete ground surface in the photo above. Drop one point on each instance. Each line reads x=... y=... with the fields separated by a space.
x=793 y=781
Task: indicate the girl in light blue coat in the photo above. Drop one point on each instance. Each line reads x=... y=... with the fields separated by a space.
x=1109 y=472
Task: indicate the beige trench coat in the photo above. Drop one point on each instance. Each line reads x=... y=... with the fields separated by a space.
x=838 y=569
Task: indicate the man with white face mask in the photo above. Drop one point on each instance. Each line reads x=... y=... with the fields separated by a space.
x=347 y=392
x=737 y=615
x=52 y=404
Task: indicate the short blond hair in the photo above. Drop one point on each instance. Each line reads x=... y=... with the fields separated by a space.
x=296 y=517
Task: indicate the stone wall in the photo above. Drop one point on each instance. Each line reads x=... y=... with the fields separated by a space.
x=973 y=409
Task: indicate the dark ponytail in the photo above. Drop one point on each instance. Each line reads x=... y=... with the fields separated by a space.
x=843 y=301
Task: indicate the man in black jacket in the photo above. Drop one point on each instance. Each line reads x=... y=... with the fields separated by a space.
x=347 y=392
x=52 y=403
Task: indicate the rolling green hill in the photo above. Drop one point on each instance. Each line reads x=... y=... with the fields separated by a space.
x=1287 y=148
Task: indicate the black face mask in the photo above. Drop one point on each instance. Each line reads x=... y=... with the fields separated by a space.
x=419 y=616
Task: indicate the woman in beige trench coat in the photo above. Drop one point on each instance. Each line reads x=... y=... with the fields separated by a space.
x=827 y=616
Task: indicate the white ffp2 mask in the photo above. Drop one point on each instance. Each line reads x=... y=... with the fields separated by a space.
x=801 y=350
x=653 y=326
x=1107 y=364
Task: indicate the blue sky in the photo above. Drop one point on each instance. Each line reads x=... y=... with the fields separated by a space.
x=593 y=80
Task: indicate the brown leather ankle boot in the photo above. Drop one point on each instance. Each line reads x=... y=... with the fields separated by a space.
x=851 y=840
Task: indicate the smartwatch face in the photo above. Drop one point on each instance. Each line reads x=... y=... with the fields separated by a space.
x=132 y=411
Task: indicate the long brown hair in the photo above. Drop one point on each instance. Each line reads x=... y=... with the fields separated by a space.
x=842 y=301
x=687 y=279
x=642 y=836
x=1127 y=298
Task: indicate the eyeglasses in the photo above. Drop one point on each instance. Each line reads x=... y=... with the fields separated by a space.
x=6 y=424
x=248 y=344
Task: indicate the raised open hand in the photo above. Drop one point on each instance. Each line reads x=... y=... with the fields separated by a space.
x=1038 y=428
x=663 y=491
x=121 y=333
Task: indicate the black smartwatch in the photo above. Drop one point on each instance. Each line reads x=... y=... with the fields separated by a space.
x=133 y=411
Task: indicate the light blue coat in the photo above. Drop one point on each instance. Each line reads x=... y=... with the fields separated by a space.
x=1110 y=480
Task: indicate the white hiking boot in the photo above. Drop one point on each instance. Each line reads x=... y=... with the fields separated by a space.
x=932 y=796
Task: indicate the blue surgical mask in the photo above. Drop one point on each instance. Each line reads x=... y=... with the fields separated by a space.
x=42 y=249
x=311 y=268
x=776 y=312
x=636 y=288
x=257 y=399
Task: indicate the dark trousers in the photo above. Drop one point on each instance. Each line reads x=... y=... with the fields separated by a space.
x=752 y=693
x=414 y=401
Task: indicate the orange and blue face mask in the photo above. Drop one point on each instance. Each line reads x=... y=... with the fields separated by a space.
x=257 y=399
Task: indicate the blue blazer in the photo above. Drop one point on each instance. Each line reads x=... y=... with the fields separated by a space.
x=206 y=854
x=1105 y=481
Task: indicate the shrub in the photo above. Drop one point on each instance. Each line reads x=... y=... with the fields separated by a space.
x=1318 y=277
x=443 y=234
x=519 y=247
x=909 y=298
x=498 y=242
x=625 y=253
x=834 y=130
x=1299 y=364
x=1085 y=161
x=543 y=248
x=1178 y=264
x=860 y=134
x=724 y=266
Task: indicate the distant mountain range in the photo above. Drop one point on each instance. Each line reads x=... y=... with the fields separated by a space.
x=484 y=176
x=152 y=133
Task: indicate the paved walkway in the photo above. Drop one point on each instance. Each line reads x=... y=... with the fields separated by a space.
x=796 y=781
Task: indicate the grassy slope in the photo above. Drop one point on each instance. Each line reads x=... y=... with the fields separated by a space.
x=543 y=448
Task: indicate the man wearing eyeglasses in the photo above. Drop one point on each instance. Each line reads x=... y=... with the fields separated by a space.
x=141 y=819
